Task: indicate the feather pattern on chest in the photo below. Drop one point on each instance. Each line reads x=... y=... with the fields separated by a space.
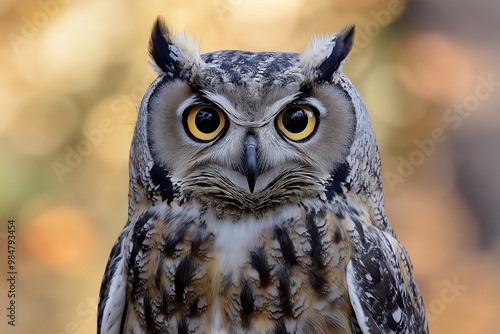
x=252 y=276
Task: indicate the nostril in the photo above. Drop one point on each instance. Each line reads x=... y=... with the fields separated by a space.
x=250 y=142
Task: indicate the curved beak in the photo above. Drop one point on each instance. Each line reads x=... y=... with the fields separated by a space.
x=252 y=171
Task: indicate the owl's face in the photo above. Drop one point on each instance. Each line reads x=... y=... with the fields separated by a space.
x=249 y=128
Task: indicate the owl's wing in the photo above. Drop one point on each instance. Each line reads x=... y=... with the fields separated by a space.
x=383 y=293
x=112 y=297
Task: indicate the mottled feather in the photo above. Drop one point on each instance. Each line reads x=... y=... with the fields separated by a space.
x=304 y=249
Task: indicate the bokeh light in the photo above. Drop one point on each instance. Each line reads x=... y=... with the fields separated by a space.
x=60 y=237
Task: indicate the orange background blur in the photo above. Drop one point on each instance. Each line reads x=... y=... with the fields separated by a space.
x=73 y=72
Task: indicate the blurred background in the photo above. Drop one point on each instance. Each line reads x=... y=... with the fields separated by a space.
x=73 y=72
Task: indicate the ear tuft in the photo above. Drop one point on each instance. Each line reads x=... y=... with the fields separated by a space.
x=172 y=56
x=325 y=55
x=160 y=49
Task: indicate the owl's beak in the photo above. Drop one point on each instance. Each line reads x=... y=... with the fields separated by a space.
x=252 y=171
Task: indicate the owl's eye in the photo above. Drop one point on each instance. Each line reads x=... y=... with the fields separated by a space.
x=297 y=122
x=204 y=123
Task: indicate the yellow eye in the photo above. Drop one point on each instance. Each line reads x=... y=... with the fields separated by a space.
x=204 y=123
x=297 y=122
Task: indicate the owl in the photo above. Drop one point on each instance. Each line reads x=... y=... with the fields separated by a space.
x=255 y=202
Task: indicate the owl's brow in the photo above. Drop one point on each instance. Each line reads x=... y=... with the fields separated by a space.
x=277 y=106
x=271 y=112
x=227 y=106
x=235 y=117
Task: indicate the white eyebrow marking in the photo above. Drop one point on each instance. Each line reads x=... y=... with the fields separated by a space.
x=236 y=117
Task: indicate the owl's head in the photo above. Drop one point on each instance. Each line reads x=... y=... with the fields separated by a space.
x=249 y=130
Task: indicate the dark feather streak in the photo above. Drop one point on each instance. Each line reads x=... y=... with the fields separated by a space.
x=149 y=318
x=259 y=263
x=286 y=246
x=183 y=277
x=280 y=328
x=160 y=179
x=284 y=295
x=343 y=44
x=160 y=49
x=247 y=303
x=339 y=177
x=182 y=325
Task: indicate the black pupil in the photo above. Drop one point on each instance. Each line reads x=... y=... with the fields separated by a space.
x=207 y=120
x=295 y=120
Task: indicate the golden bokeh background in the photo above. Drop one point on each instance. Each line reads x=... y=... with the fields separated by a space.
x=72 y=74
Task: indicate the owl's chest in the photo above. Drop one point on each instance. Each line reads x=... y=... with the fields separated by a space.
x=255 y=275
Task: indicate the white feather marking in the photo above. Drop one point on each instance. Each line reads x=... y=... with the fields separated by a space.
x=189 y=49
x=184 y=105
x=217 y=327
x=233 y=242
x=115 y=304
x=355 y=302
x=319 y=48
x=396 y=315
